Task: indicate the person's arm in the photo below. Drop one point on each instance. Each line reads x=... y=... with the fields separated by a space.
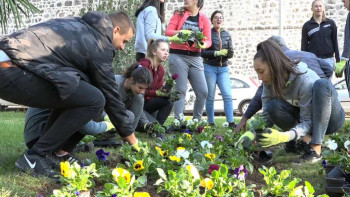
x=325 y=67
x=102 y=76
x=151 y=20
x=207 y=31
x=208 y=53
x=255 y=105
x=230 y=52
x=335 y=41
x=304 y=38
x=173 y=25
x=346 y=50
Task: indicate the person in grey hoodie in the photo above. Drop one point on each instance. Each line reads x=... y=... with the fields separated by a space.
x=150 y=16
x=296 y=100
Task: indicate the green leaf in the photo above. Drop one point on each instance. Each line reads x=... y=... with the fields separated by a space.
x=309 y=187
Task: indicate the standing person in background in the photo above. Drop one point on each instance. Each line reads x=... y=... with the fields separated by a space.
x=150 y=16
x=319 y=35
x=156 y=100
x=216 y=68
x=185 y=59
x=340 y=66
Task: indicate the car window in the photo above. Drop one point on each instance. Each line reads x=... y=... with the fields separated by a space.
x=236 y=83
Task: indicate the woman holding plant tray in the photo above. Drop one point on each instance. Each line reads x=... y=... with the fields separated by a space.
x=216 y=68
x=296 y=100
x=157 y=105
x=193 y=27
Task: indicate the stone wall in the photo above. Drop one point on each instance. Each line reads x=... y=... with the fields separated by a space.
x=248 y=21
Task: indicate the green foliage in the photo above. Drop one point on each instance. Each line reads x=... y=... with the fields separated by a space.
x=15 y=7
x=124 y=58
x=257 y=123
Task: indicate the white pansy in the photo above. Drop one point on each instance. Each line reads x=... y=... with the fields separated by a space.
x=195 y=120
x=194 y=172
x=332 y=145
x=161 y=173
x=225 y=124
x=185 y=184
x=206 y=144
x=182 y=117
x=204 y=121
x=189 y=122
x=346 y=145
x=176 y=122
x=183 y=153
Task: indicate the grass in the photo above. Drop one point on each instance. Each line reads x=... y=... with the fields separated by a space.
x=15 y=183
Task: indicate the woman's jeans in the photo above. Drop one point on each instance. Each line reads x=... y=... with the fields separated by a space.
x=67 y=116
x=220 y=76
x=327 y=114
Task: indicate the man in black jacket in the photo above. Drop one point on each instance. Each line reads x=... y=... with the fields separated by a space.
x=65 y=65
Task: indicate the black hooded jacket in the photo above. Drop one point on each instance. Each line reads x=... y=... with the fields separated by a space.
x=66 y=50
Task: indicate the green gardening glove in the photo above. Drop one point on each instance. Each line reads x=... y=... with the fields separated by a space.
x=273 y=137
x=136 y=146
x=339 y=68
x=186 y=32
x=175 y=39
x=200 y=44
x=160 y=93
x=222 y=52
x=246 y=139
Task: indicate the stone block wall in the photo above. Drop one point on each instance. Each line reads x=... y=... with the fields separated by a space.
x=249 y=22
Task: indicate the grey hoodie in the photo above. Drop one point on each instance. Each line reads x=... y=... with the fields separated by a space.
x=298 y=92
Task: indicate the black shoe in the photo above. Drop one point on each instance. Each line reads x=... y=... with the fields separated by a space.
x=232 y=125
x=211 y=124
x=296 y=147
x=55 y=161
x=37 y=164
x=311 y=155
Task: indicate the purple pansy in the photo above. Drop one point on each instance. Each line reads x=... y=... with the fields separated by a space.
x=219 y=137
x=200 y=129
x=187 y=131
x=241 y=172
x=77 y=193
x=213 y=167
x=114 y=195
x=175 y=76
x=324 y=163
x=102 y=155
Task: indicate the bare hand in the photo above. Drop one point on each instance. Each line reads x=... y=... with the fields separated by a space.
x=242 y=125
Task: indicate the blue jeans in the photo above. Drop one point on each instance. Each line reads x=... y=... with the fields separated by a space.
x=221 y=76
x=327 y=114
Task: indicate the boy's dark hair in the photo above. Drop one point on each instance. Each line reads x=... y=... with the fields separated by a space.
x=140 y=74
x=155 y=3
x=122 y=20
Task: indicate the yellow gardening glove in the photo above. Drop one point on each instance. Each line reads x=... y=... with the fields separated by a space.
x=339 y=68
x=246 y=139
x=136 y=146
x=222 y=52
x=200 y=45
x=106 y=118
x=273 y=137
x=109 y=125
x=175 y=39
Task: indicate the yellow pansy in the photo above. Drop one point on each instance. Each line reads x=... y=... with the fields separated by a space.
x=181 y=148
x=138 y=165
x=188 y=136
x=207 y=183
x=188 y=118
x=211 y=156
x=174 y=158
x=65 y=169
x=120 y=172
x=141 y=194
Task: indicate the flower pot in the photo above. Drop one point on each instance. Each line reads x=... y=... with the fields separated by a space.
x=167 y=87
x=329 y=167
x=337 y=191
x=265 y=155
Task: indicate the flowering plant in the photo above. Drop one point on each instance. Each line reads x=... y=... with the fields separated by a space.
x=170 y=82
x=77 y=178
x=332 y=156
